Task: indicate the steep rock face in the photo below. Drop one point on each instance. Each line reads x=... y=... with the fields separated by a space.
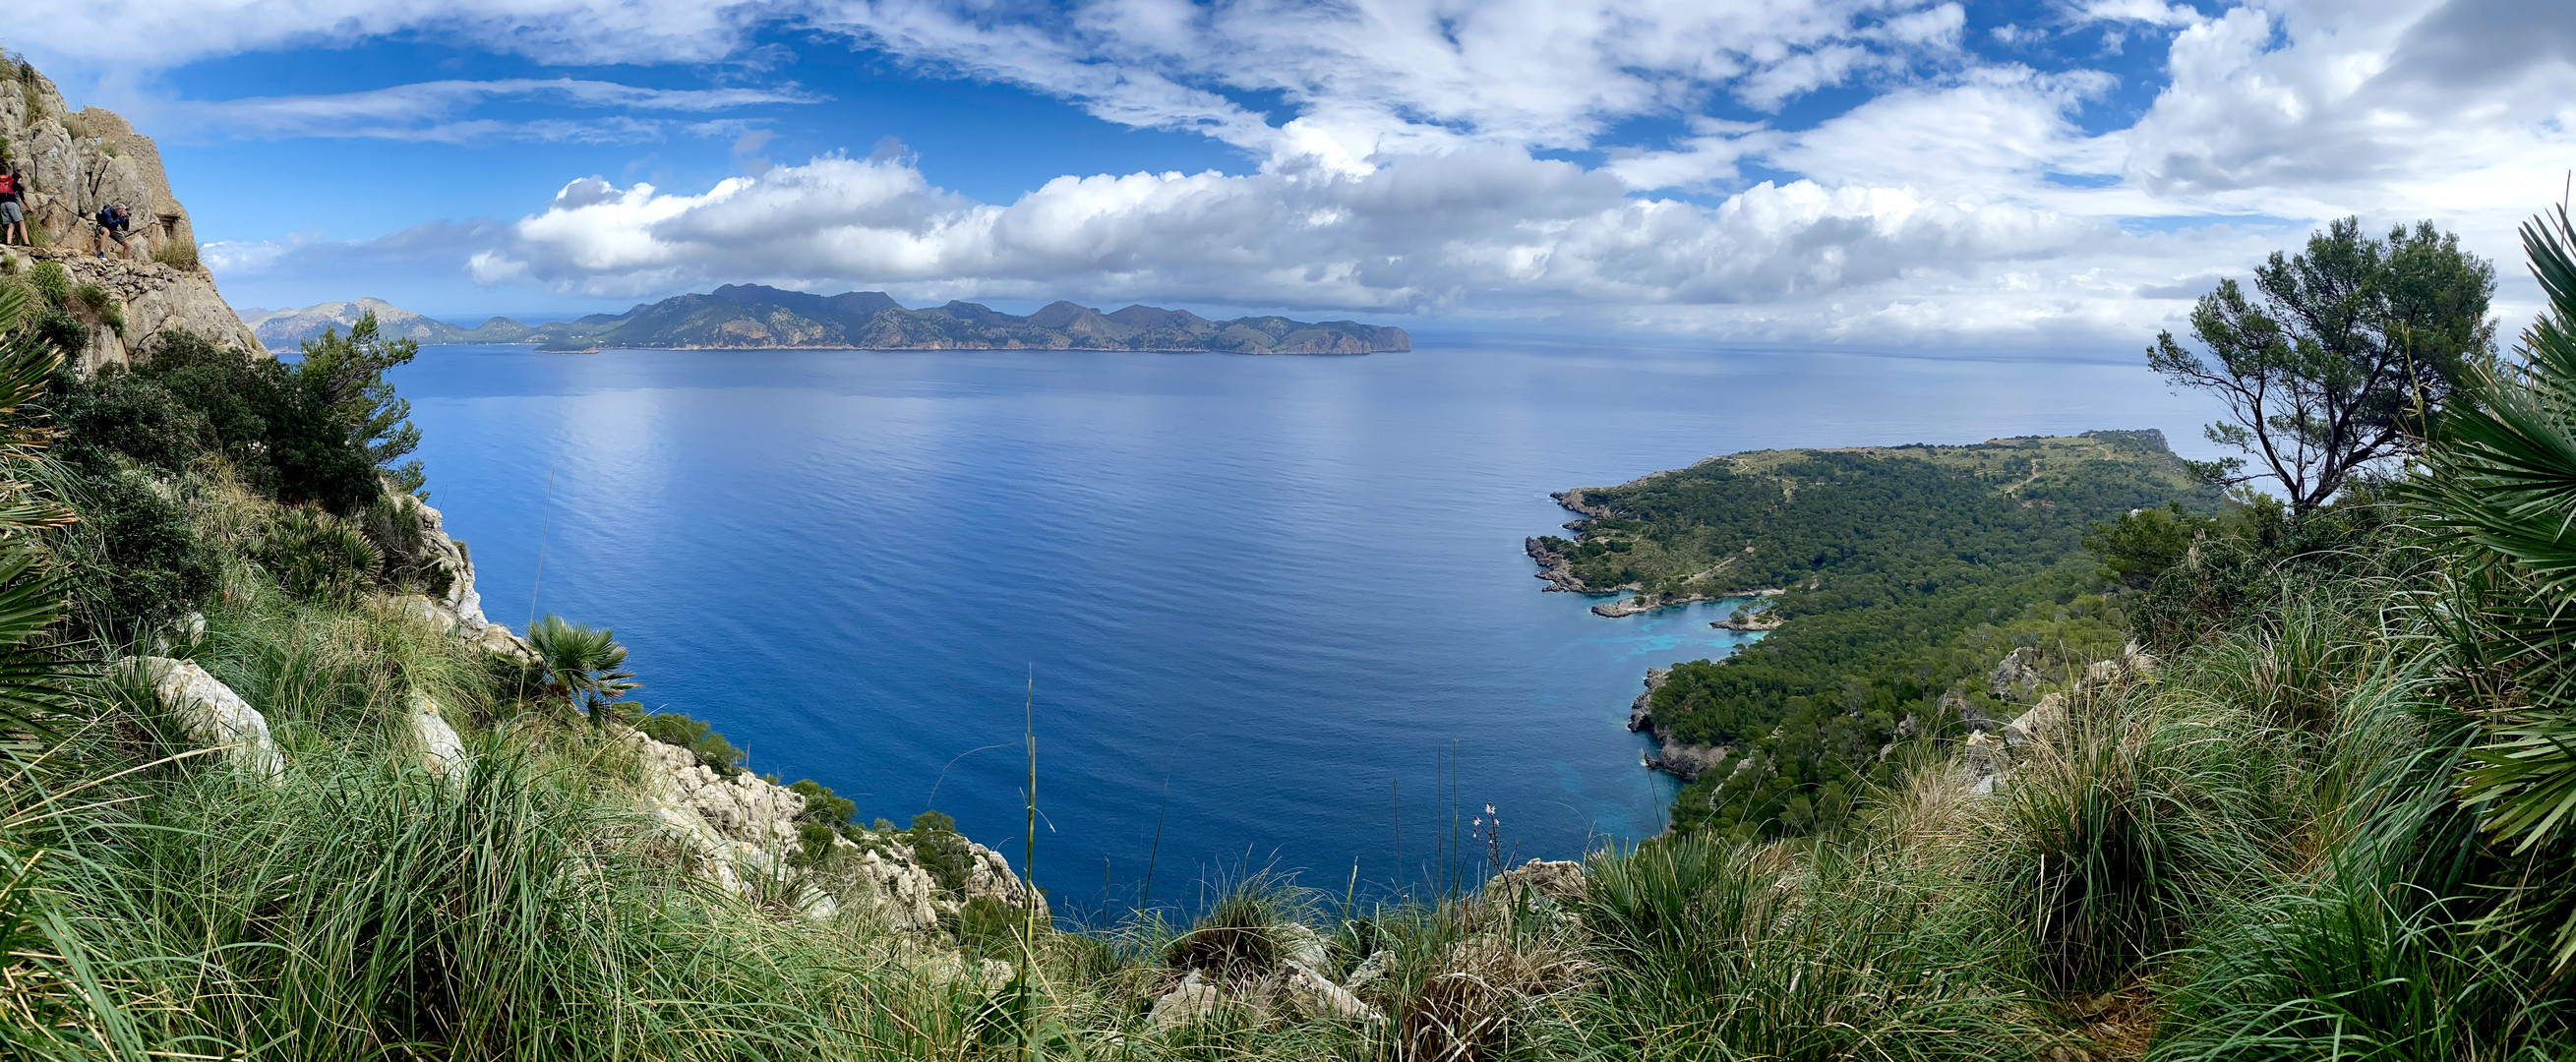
x=73 y=163
x=1679 y=759
x=154 y=297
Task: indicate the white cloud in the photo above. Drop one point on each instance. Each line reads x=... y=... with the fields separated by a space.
x=1468 y=233
x=434 y=110
x=1398 y=145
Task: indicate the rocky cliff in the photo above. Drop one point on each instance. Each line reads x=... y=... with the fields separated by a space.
x=74 y=161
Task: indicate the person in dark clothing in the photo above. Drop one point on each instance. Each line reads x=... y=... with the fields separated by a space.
x=13 y=207
x=113 y=223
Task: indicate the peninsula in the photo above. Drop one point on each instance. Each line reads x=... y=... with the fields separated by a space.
x=758 y=317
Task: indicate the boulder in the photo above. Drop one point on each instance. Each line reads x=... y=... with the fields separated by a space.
x=1190 y=1002
x=212 y=714
x=442 y=754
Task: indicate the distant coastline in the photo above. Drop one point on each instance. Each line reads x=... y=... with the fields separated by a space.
x=754 y=317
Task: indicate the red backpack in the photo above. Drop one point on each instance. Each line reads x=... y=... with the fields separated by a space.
x=8 y=184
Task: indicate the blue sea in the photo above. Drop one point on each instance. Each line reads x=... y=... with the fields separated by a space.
x=1267 y=613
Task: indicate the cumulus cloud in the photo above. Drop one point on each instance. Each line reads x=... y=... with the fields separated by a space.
x=1468 y=233
x=1411 y=157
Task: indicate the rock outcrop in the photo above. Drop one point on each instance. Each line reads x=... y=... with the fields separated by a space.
x=1680 y=759
x=458 y=608
x=2017 y=677
x=744 y=829
x=73 y=163
x=1297 y=982
x=1992 y=750
x=211 y=714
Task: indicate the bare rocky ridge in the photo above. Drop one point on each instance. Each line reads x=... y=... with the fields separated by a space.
x=73 y=163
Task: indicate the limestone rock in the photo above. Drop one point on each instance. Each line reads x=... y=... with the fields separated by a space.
x=213 y=714
x=1313 y=995
x=1190 y=1002
x=2017 y=677
x=903 y=892
x=741 y=808
x=74 y=162
x=991 y=877
x=1641 y=712
x=1686 y=761
x=1560 y=880
x=442 y=754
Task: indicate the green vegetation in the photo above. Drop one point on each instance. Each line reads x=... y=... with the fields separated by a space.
x=1910 y=572
x=179 y=253
x=2328 y=824
x=2338 y=360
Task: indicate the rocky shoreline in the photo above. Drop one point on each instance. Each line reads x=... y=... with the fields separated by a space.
x=1680 y=759
x=1556 y=567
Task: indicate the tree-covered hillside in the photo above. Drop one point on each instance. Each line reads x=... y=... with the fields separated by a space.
x=1909 y=573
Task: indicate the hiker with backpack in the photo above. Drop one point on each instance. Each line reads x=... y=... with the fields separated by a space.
x=112 y=225
x=13 y=208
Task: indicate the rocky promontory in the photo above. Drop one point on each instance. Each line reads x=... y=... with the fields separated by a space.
x=1679 y=759
x=76 y=161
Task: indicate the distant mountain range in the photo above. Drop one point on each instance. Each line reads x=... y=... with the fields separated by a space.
x=756 y=317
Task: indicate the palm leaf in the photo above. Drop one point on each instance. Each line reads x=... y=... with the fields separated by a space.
x=2499 y=491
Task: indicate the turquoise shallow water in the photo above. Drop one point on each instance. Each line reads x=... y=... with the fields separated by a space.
x=1277 y=605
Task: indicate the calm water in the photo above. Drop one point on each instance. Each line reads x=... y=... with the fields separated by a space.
x=1277 y=605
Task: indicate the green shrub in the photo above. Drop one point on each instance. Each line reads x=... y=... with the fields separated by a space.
x=822 y=805
x=939 y=850
x=137 y=561
x=279 y=435
x=320 y=556
x=52 y=282
x=673 y=728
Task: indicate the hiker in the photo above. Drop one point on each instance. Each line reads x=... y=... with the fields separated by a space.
x=13 y=208
x=112 y=225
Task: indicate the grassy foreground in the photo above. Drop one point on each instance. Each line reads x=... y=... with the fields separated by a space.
x=2327 y=825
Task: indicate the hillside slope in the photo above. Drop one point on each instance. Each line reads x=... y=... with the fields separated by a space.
x=1894 y=578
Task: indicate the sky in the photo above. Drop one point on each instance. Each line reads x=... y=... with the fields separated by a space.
x=2059 y=175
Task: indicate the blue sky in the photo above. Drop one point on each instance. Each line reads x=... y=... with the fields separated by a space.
x=1886 y=172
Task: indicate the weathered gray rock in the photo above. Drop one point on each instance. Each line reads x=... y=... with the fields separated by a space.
x=1560 y=880
x=740 y=809
x=1311 y=994
x=442 y=753
x=991 y=877
x=76 y=161
x=1687 y=761
x=212 y=714
x=1190 y=1002
x=2017 y=676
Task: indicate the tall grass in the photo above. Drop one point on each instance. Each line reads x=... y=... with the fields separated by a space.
x=1720 y=950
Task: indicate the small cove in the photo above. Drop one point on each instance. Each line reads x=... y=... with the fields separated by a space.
x=1277 y=606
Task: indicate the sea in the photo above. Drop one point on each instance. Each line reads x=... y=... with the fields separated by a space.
x=1261 y=615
